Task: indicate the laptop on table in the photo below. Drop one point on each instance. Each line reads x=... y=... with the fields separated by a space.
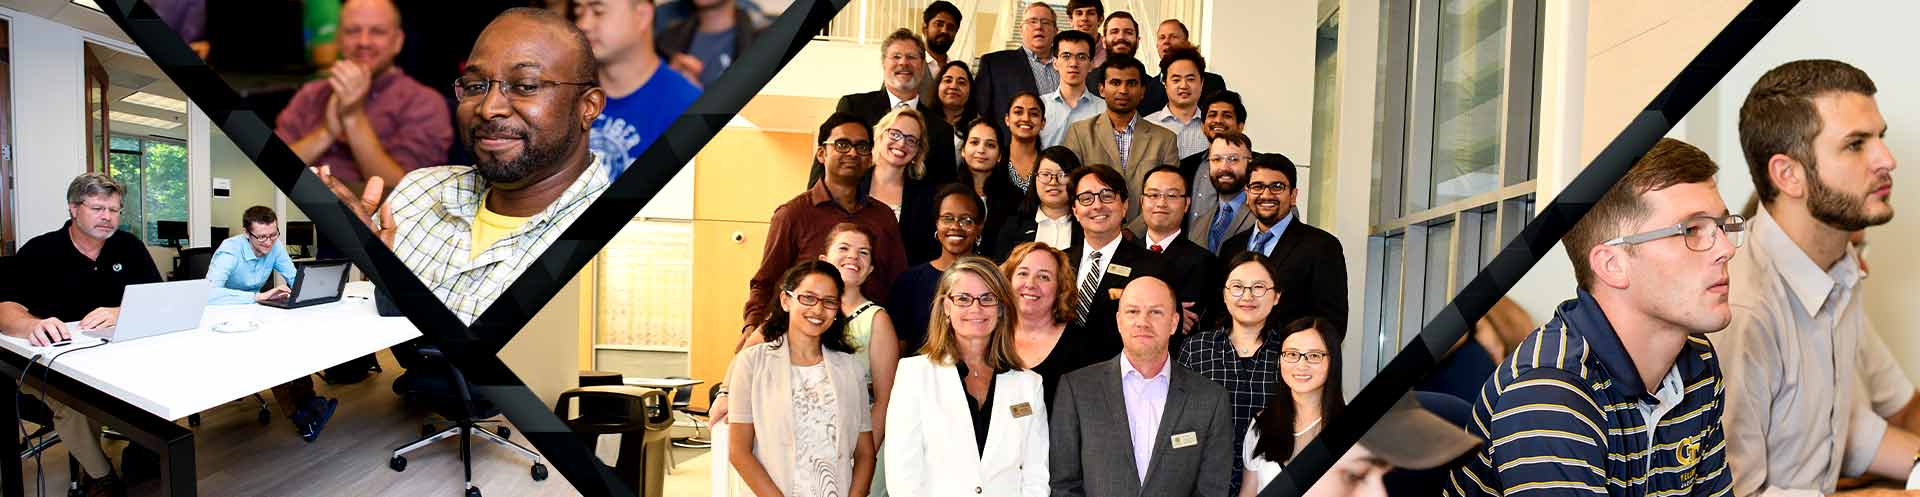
x=314 y=283
x=151 y=309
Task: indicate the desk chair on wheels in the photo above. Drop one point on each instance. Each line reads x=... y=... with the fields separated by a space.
x=432 y=380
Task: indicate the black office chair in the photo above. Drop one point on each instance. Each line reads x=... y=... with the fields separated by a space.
x=192 y=265
x=642 y=418
x=683 y=404
x=432 y=380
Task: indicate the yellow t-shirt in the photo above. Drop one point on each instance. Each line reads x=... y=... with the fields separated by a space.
x=489 y=227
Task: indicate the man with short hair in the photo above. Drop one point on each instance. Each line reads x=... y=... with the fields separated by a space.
x=1223 y=213
x=902 y=58
x=1138 y=424
x=239 y=269
x=702 y=46
x=1118 y=137
x=1171 y=34
x=939 y=24
x=77 y=274
x=368 y=118
x=468 y=232
x=1813 y=393
x=644 y=96
x=1005 y=73
x=1620 y=394
x=1072 y=102
x=1220 y=113
x=1181 y=70
x=799 y=228
x=1189 y=267
x=1120 y=33
x=1105 y=259
x=1309 y=267
x=1085 y=16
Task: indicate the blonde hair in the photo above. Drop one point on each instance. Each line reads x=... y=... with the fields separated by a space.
x=918 y=168
x=1064 y=292
x=943 y=347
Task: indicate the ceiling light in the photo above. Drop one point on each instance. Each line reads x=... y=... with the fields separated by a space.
x=135 y=119
x=89 y=4
x=156 y=101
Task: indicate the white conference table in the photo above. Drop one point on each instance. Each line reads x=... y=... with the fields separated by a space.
x=168 y=377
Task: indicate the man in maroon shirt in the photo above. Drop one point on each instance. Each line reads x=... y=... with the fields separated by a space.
x=798 y=230
x=367 y=118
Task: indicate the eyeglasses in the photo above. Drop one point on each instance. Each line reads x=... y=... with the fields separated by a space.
x=266 y=238
x=1051 y=177
x=1156 y=196
x=1106 y=196
x=810 y=300
x=903 y=137
x=964 y=300
x=962 y=221
x=1312 y=357
x=1238 y=290
x=844 y=145
x=1263 y=188
x=469 y=89
x=1227 y=159
x=1698 y=232
x=1076 y=57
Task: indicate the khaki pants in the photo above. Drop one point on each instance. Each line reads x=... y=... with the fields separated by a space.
x=80 y=434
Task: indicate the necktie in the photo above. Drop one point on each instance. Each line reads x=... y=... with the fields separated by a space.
x=1156 y=247
x=1218 y=231
x=1260 y=242
x=1088 y=285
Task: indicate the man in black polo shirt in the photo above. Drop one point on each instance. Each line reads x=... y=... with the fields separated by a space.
x=78 y=273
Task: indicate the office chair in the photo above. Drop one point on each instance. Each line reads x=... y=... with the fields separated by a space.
x=431 y=379
x=192 y=265
x=639 y=415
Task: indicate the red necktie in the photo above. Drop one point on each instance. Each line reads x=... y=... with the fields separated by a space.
x=1156 y=248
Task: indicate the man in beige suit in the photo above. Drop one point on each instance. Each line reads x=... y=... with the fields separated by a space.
x=1100 y=140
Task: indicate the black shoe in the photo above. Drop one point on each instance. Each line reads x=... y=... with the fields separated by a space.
x=107 y=486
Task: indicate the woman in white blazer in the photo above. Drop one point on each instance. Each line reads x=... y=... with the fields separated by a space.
x=968 y=419
x=799 y=418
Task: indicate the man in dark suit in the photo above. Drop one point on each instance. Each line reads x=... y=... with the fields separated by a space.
x=1104 y=259
x=1190 y=268
x=1004 y=73
x=1220 y=114
x=901 y=71
x=1312 y=273
x=1140 y=425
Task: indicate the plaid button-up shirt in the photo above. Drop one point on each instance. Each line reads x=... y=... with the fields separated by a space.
x=434 y=209
x=1251 y=382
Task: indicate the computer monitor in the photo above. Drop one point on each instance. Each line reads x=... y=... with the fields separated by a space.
x=219 y=233
x=299 y=234
x=171 y=231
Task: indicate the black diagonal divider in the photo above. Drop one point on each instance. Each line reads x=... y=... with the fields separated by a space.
x=473 y=348
x=1539 y=237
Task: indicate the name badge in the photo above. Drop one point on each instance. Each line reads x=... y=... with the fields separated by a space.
x=1117 y=269
x=1187 y=439
x=1022 y=410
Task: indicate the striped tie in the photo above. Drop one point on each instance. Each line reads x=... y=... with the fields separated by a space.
x=1088 y=285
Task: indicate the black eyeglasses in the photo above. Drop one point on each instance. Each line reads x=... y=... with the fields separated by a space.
x=1156 y=196
x=1312 y=357
x=844 y=145
x=471 y=88
x=962 y=221
x=903 y=137
x=964 y=300
x=810 y=300
x=1698 y=232
x=1263 y=188
x=1050 y=176
x=263 y=238
x=1105 y=196
x=1238 y=290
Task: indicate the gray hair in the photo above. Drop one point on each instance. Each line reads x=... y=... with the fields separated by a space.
x=92 y=185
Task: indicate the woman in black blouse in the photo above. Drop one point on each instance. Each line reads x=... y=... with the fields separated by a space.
x=1043 y=297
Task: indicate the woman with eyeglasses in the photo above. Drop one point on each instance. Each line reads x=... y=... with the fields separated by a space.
x=1047 y=214
x=1043 y=300
x=1026 y=117
x=1310 y=367
x=1243 y=354
x=901 y=180
x=955 y=92
x=800 y=423
x=957 y=233
x=984 y=171
x=970 y=419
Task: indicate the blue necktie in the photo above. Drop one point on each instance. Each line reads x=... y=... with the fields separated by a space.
x=1218 y=231
x=1260 y=242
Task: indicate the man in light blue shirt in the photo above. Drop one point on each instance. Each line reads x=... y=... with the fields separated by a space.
x=243 y=264
x=1071 y=102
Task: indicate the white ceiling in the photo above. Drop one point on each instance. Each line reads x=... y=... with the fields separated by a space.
x=65 y=12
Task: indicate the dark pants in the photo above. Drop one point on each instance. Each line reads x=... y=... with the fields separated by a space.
x=290 y=395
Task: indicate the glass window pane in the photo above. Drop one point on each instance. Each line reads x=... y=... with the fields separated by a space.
x=166 y=187
x=1388 y=336
x=1489 y=238
x=125 y=168
x=1439 y=240
x=1469 y=87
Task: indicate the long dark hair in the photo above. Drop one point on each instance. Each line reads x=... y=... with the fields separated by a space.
x=1275 y=423
x=1068 y=162
x=998 y=177
x=835 y=339
x=966 y=111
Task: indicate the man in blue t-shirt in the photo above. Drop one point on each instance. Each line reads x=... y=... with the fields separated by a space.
x=644 y=96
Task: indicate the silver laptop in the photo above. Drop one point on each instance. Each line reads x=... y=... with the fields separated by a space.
x=153 y=309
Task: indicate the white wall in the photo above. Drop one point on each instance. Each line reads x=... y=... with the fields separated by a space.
x=1836 y=29
x=1264 y=49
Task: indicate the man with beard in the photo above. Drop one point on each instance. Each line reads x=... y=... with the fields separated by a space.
x=1812 y=393
x=705 y=44
x=902 y=68
x=1220 y=113
x=644 y=96
x=368 y=119
x=527 y=102
x=1118 y=137
x=939 y=23
x=1310 y=270
x=1007 y=72
x=1120 y=34
x=1072 y=103
x=1223 y=212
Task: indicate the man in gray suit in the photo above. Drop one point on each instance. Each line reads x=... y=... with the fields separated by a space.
x=1220 y=215
x=1099 y=140
x=1176 y=426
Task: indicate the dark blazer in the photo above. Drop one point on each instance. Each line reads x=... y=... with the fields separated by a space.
x=918 y=214
x=1100 y=314
x=1021 y=228
x=1093 y=453
x=999 y=76
x=1312 y=273
x=1194 y=273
